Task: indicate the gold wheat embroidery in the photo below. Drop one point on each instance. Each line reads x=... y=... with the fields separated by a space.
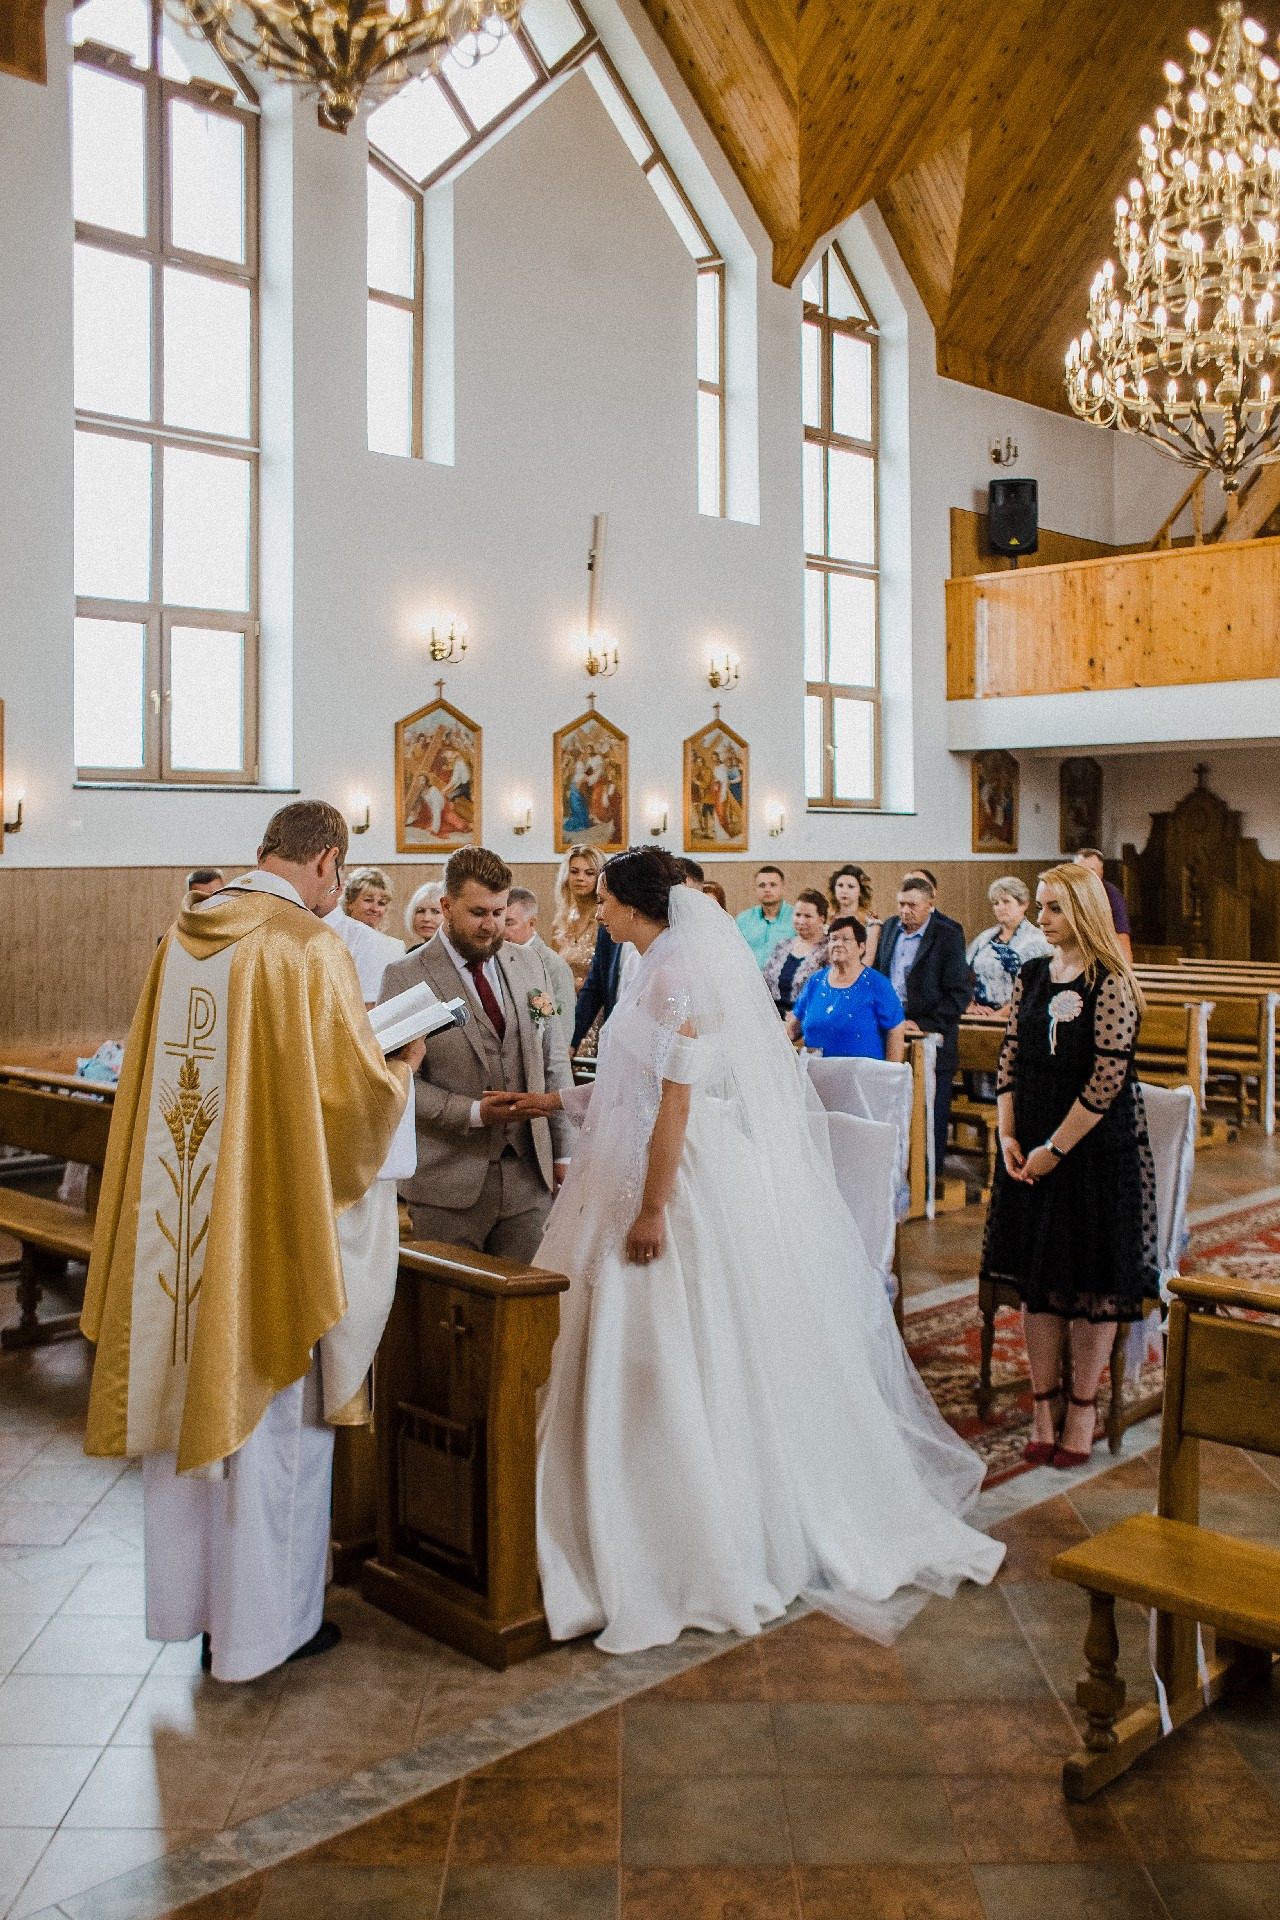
x=188 y=1115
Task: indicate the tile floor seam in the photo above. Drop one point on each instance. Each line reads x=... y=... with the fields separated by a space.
x=1035 y=1655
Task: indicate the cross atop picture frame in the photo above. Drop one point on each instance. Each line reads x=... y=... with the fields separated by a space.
x=438 y=753
x=589 y=780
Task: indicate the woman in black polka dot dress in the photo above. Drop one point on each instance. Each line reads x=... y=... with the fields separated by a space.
x=1072 y=1223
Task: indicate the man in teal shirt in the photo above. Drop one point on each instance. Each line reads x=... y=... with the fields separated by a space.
x=762 y=927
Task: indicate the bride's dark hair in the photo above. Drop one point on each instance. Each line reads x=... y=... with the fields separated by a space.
x=642 y=878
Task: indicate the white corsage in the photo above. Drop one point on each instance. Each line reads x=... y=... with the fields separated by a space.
x=1064 y=1006
x=541 y=1007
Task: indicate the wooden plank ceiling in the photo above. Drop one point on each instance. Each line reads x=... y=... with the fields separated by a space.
x=993 y=135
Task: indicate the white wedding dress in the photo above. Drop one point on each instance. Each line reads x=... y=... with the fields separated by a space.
x=736 y=1423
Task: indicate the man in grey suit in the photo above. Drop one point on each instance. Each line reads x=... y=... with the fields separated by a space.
x=484 y=1180
x=522 y=931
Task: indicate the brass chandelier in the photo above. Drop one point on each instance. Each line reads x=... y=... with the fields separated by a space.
x=349 y=50
x=1186 y=349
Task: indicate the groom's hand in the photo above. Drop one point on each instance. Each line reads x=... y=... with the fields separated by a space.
x=496 y=1109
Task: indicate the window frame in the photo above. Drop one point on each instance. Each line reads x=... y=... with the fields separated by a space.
x=708 y=260
x=157 y=249
x=824 y=436
x=413 y=304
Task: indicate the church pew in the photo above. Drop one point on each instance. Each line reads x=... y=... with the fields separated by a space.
x=1241 y=1038
x=1171 y=1050
x=466 y=1348
x=980 y=1044
x=1221 y=1380
x=64 y=1118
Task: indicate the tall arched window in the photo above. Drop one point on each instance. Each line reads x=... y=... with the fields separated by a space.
x=429 y=130
x=841 y=582
x=164 y=152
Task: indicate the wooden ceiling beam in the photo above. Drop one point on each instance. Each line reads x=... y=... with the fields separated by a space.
x=22 y=48
x=994 y=136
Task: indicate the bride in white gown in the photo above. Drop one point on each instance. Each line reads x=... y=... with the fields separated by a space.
x=731 y=1418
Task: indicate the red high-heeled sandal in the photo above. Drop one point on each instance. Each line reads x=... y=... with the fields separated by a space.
x=1065 y=1457
x=1041 y=1453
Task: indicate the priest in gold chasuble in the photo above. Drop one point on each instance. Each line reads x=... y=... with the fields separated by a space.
x=245 y=1251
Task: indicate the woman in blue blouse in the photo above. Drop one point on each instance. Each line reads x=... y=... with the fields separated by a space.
x=848 y=1010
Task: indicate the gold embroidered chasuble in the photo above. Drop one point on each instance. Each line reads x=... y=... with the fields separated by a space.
x=254 y=1107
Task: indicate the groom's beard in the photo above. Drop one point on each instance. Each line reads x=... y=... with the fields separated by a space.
x=476 y=949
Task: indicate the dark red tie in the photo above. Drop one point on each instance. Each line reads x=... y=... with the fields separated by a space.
x=496 y=1017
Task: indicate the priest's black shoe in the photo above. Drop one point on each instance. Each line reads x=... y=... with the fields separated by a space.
x=326 y=1636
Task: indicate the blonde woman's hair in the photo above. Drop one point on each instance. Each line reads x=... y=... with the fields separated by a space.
x=1087 y=911
x=566 y=909
x=358 y=879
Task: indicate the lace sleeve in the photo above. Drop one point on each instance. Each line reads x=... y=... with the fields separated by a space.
x=1009 y=1051
x=1115 y=1034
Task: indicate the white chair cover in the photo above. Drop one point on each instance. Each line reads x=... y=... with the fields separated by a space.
x=1173 y=1122
x=865 y=1154
x=872 y=1090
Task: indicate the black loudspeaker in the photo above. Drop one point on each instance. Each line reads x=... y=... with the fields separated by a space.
x=1013 y=517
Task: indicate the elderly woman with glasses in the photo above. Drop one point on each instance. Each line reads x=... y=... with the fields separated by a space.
x=847 y=1010
x=998 y=954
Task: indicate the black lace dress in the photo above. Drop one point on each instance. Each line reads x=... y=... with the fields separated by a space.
x=1082 y=1241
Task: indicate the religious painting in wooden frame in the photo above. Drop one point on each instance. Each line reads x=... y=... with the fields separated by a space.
x=716 y=765
x=1079 y=804
x=995 y=803
x=438 y=761
x=590 y=758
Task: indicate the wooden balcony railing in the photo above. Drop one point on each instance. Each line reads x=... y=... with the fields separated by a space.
x=1173 y=618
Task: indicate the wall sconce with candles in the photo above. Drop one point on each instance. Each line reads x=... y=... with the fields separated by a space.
x=724 y=672
x=448 y=639
x=358 y=815
x=521 y=816
x=601 y=660
x=658 y=816
x=15 y=825
x=775 y=818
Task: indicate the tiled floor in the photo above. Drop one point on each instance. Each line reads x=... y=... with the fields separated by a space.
x=114 y=1751
x=812 y=1774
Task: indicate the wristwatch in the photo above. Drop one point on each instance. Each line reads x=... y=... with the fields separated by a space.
x=1058 y=1153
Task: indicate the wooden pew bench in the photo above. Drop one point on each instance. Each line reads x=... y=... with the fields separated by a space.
x=1222 y=1382
x=1241 y=1037
x=980 y=1042
x=64 y=1118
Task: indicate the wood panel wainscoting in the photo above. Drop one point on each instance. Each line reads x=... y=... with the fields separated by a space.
x=1185 y=616
x=77 y=941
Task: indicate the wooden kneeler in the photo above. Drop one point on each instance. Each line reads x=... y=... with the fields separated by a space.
x=1222 y=1382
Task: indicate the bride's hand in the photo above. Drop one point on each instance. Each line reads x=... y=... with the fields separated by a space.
x=534 y=1106
x=647 y=1239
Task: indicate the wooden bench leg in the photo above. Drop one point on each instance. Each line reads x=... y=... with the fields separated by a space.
x=31 y=1331
x=1102 y=1694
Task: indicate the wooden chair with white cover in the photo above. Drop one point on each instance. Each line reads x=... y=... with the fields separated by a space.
x=871 y=1090
x=865 y=1155
x=1173 y=1122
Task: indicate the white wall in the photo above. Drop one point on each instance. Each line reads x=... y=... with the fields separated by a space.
x=574 y=320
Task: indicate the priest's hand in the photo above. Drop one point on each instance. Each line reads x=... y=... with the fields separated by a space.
x=413 y=1053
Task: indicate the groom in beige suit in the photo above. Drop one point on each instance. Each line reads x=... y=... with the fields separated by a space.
x=484 y=1180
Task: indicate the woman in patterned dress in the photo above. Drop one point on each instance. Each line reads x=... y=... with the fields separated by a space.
x=1072 y=1224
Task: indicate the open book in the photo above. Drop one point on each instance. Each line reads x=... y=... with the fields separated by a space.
x=413 y=1014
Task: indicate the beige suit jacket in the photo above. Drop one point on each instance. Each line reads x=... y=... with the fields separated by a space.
x=453 y=1156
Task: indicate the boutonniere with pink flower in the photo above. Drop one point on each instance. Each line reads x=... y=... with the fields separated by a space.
x=541 y=1007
